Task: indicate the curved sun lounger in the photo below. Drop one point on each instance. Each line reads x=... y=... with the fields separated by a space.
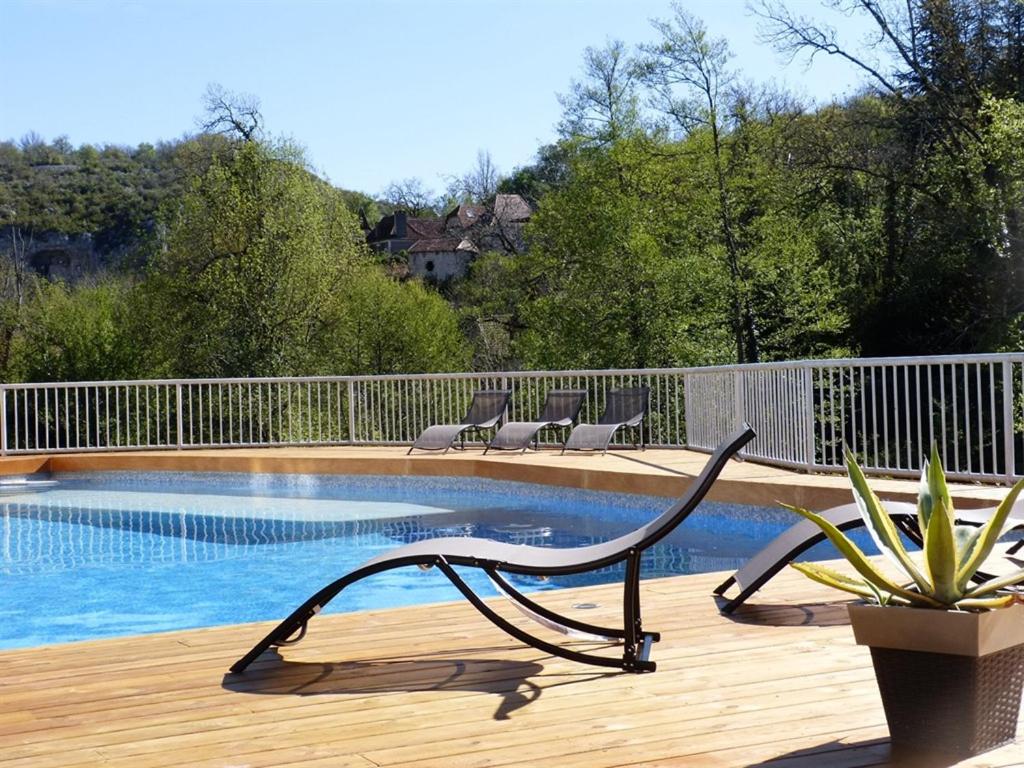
x=485 y=411
x=803 y=535
x=790 y=544
x=624 y=408
x=561 y=409
x=495 y=558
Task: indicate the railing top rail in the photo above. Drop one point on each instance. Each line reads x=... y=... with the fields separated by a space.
x=605 y=372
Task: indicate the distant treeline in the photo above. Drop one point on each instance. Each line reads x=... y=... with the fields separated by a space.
x=684 y=216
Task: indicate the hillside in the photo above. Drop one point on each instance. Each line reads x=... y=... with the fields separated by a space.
x=80 y=210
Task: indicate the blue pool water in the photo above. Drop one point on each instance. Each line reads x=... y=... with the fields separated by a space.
x=105 y=554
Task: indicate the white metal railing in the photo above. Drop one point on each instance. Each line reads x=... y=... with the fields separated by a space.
x=887 y=410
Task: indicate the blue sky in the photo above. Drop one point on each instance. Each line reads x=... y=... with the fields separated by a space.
x=375 y=91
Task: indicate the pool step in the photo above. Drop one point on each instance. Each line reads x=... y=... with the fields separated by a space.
x=14 y=484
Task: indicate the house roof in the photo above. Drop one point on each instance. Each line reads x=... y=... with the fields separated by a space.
x=467 y=214
x=435 y=245
x=424 y=227
x=510 y=208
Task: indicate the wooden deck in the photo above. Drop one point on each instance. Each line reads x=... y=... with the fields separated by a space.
x=780 y=683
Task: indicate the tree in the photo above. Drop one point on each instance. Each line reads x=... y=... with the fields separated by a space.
x=604 y=105
x=252 y=257
x=381 y=326
x=613 y=274
x=231 y=114
x=412 y=196
x=16 y=282
x=920 y=147
x=549 y=171
x=81 y=333
x=479 y=184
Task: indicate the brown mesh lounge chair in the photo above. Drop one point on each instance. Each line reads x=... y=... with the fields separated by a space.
x=561 y=408
x=623 y=409
x=801 y=536
x=495 y=558
x=485 y=411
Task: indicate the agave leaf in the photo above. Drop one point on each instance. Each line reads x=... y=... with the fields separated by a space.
x=837 y=580
x=938 y=491
x=965 y=537
x=987 y=537
x=860 y=561
x=940 y=554
x=862 y=587
x=1000 y=582
x=987 y=602
x=879 y=597
x=881 y=527
x=924 y=500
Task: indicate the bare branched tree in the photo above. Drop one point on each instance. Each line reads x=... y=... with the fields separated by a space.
x=918 y=51
x=477 y=185
x=689 y=80
x=231 y=114
x=410 y=195
x=604 y=105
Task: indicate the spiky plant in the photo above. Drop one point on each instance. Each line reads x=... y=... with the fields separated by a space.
x=952 y=553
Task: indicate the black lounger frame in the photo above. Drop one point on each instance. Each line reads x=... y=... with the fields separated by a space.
x=495 y=558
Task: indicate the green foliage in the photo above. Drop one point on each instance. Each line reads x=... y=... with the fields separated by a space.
x=490 y=304
x=382 y=326
x=264 y=273
x=609 y=284
x=253 y=254
x=76 y=334
x=952 y=553
x=683 y=218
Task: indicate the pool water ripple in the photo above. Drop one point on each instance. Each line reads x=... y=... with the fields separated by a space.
x=107 y=554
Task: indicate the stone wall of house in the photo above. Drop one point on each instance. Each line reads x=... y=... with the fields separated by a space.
x=440 y=266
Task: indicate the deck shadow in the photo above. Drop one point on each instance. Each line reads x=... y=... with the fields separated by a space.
x=788 y=614
x=509 y=680
x=848 y=754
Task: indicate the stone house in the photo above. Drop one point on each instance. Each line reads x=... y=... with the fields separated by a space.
x=440 y=249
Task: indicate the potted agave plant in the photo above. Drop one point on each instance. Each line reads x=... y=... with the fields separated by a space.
x=947 y=645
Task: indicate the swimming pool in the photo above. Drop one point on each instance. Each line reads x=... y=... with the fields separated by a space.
x=115 y=553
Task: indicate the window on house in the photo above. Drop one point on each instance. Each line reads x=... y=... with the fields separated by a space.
x=430 y=266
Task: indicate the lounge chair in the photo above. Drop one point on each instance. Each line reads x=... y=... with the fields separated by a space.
x=495 y=558
x=561 y=408
x=624 y=409
x=485 y=411
x=803 y=535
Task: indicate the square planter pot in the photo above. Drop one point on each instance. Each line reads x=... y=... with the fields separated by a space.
x=950 y=681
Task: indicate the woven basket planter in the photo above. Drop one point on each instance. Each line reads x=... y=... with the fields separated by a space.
x=950 y=681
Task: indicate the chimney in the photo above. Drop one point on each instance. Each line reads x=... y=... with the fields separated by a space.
x=400 y=224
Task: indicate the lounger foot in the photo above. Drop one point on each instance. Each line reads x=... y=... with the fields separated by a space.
x=295 y=638
x=721 y=588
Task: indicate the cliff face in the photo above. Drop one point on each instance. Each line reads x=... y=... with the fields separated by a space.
x=66 y=257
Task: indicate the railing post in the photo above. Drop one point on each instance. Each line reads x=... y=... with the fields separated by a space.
x=181 y=416
x=739 y=403
x=351 y=412
x=808 y=417
x=3 y=421
x=1009 y=457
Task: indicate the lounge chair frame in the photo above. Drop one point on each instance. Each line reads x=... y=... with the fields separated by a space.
x=552 y=417
x=804 y=534
x=616 y=404
x=498 y=558
x=473 y=422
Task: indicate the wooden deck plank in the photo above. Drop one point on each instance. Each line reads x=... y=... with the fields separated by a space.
x=437 y=685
